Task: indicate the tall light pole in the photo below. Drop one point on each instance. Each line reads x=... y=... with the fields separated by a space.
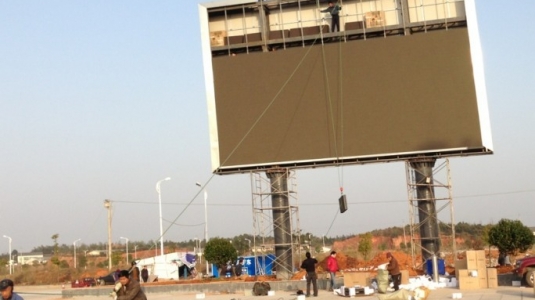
x=249 y=241
x=107 y=205
x=198 y=252
x=135 y=252
x=74 y=246
x=205 y=222
x=323 y=242
x=160 y=204
x=126 y=239
x=10 y=261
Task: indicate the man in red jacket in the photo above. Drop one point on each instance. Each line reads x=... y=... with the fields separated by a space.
x=332 y=267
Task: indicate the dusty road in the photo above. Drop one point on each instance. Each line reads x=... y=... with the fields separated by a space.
x=501 y=293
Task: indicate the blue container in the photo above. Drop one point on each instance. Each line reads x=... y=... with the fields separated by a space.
x=441 y=267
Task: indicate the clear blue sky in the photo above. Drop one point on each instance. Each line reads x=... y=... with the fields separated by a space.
x=101 y=99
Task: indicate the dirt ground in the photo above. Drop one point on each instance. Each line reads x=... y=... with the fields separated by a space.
x=346 y=263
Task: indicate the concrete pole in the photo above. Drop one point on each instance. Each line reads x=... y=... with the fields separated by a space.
x=74 y=246
x=281 y=222
x=10 y=260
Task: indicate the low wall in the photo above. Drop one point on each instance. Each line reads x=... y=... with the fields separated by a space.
x=230 y=287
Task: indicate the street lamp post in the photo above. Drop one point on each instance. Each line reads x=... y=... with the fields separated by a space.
x=205 y=222
x=107 y=205
x=10 y=261
x=249 y=241
x=160 y=204
x=126 y=239
x=323 y=241
x=74 y=246
x=135 y=252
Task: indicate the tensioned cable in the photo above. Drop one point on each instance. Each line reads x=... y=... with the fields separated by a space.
x=248 y=132
x=328 y=96
x=327 y=88
x=329 y=203
x=360 y=202
x=332 y=223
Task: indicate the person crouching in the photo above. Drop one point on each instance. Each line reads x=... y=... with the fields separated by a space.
x=131 y=289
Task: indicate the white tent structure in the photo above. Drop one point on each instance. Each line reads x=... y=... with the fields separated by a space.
x=166 y=266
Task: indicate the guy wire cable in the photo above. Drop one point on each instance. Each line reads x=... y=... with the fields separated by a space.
x=246 y=134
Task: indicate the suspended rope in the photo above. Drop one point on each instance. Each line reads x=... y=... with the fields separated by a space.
x=331 y=110
x=341 y=93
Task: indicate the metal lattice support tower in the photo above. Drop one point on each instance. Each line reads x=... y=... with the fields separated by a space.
x=437 y=194
x=276 y=219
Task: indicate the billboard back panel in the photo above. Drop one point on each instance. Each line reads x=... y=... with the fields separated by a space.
x=347 y=102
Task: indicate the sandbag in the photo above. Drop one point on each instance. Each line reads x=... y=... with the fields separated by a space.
x=261 y=288
x=397 y=295
x=382 y=281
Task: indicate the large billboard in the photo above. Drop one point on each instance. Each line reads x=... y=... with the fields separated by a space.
x=334 y=101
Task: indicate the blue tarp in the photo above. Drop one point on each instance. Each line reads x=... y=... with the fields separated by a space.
x=259 y=265
x=440 y=264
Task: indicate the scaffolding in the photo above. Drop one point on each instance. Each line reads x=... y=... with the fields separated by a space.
x=265 y=228
x=440 y=183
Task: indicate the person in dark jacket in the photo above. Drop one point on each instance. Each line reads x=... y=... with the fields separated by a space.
x=145 y=274
x=309 y=264
x=334 y=9
x=393 y=269
x=134 y=271
x=6 y=289
x=130 y=289
x=239 y=267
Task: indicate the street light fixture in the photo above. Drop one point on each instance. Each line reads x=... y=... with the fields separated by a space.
x=126 y=239
x=205 y=221
x=74 y=246
x=160 y=204
x=10 y=261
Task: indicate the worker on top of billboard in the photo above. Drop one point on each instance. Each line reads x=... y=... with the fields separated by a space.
x=334 y=9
